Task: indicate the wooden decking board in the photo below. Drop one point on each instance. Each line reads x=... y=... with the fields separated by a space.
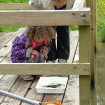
x=6 y=59
x=32 y=94
x=1 y=76
x=71 y=96
x=72 y=91
x=5 y=39
x=20 y=88
x=26 y=89
x=5 y=50
x=6 y=83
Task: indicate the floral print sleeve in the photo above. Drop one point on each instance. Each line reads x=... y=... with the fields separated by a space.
x=18 y=52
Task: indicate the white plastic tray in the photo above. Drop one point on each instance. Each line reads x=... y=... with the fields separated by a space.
x=51 y=85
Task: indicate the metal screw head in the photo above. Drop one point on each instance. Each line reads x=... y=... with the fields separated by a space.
x=82 y=15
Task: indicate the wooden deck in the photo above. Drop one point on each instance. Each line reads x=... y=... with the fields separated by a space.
x=15 y=85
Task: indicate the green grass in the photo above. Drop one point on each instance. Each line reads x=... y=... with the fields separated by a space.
x=101 y=20
x=13 y=1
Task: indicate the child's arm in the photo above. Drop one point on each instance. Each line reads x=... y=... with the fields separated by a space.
x=78 y=4
x=18 y=51
x=45 y=49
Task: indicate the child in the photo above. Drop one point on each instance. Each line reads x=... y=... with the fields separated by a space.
x=32 y=46
x=60 y=51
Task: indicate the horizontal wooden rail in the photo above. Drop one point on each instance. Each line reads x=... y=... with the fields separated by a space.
x=46 y=69
x=44 y=17
x=15 y=6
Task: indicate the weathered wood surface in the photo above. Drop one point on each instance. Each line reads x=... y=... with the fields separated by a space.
x=45 y=17
x=84 y=56
x=65 y=69
x=15 y=85
x=15 y=6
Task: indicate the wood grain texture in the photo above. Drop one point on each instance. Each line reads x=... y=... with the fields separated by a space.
x=46 y=69
x=84 y=56
x=44 y=17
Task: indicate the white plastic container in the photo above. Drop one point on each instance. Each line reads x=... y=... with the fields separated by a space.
x=51 y=85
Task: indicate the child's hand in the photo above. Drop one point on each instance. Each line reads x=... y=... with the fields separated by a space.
x=34 y=52
x=43 y=51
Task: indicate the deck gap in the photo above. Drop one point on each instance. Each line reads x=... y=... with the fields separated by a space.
x=75 y=51
x=28 y=88
x=8 y=40
x=2 y=77
x=65 y=90
x=4 y=57
x=43 y=97
x=13 y=84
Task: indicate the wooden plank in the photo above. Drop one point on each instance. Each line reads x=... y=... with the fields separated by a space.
x=93 y=30
x=4 y=51
x=5 y=39
x=1 y=76
x=8 y=36
x=20 y=88
x=93 y=25
x=71 y=96
x=15 y=6
x=2 y=34
x=44 y=17
x=84 y=56
x=7 y=59
x=85 y=90
x=32 y=94
x=6 y=83
x=46 y=69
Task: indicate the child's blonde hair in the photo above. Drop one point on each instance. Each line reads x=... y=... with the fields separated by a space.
x=40 y=31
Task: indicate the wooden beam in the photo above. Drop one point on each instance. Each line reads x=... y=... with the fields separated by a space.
x=45 y=68
x=44 y=17
x=15 y=6
x=84 y=56
x=93 y=26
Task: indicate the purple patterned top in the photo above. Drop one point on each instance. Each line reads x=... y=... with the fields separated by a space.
x=18 y=51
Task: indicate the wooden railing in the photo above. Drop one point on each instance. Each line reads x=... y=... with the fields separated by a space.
x=82 y=18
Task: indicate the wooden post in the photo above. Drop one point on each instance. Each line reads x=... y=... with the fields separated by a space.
x=90 y=3
x=84 y=56
x=93 y=6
